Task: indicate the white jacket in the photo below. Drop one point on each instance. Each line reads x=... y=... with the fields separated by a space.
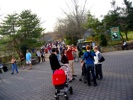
x=96 y=58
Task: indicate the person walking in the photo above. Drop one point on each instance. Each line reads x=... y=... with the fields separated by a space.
x=69 y=54
x=22 y=59
x=14 y=65
x=38 y=53
x=54 y=63
x=89 y=65
x=28 y=59
x=98 y=65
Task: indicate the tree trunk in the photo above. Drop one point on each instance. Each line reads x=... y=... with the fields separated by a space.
x=126 y=35
x=122 y=37
x=16 y=47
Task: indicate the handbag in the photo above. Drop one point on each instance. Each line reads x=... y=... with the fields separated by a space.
x=101 y=59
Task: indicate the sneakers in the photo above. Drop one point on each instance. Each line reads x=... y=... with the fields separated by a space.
x=12 y=73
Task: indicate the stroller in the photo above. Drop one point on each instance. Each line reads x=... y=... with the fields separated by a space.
x=60 y=81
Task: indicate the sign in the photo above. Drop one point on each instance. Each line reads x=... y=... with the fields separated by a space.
x=115 y=33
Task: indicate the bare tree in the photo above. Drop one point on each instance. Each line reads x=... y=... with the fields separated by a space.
x=71 y=25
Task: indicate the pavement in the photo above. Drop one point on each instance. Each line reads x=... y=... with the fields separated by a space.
x=35 y=84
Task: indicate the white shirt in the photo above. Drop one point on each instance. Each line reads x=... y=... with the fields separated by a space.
x=38 y=53
x=124 y=43
x=96 y=58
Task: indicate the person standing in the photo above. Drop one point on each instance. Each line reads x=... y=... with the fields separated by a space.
x=98 y=65
x=28 y=59
x=38 y=53
x=58 y=55
x=14 y=65
x=42 y=55
x=64 y=60
x=54 y=63
x=22 y=59
x=69 y=54
x=88 y=57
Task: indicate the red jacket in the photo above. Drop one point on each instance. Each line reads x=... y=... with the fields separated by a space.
x=69 y=54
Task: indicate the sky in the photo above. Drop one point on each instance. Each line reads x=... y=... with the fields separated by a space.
x=49 y=10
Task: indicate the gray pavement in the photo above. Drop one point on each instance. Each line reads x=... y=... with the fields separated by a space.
x=35 y=84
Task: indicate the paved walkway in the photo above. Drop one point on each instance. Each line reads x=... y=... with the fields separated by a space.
x=36 y=84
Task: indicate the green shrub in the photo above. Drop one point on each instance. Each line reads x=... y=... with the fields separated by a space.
x=103 y=40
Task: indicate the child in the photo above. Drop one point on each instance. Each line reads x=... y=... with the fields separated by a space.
x=14 y=65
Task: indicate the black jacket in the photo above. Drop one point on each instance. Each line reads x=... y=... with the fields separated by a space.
x=54 y=63
x=64 y=59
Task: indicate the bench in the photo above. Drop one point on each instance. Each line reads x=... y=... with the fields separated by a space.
x=34 y=60
x=121 y=47
x=130 y=45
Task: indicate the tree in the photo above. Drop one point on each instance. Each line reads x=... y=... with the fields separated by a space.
x=103 y=40
x=9 y=28
x=22 y=30
x=72 y=23
x=113 y=18
x=30 y=30
x=127 y=18
x=93 y=23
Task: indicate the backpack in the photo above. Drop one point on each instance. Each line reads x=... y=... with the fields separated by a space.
x=5 y=68
x=89 y=55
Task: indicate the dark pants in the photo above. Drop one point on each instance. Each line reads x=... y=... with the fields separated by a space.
x=98 y=69
x=124 y=47
x=39 y=59
x=90 y=69
x=43 y=58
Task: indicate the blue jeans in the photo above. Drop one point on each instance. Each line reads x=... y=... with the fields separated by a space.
x=14 y=66
x=90 y=69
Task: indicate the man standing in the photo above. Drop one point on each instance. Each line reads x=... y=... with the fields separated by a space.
x=69 y=54
x=89 y=65
x=98 y=65
x=28 y=59
x=54 y=63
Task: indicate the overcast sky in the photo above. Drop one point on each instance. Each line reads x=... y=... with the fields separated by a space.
x=50 y=10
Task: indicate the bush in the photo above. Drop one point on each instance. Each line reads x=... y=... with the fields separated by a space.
x=6 y=59
x=103 y=40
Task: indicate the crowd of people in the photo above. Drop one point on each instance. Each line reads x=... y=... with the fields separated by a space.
x=63 y=55
x=90 y=60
